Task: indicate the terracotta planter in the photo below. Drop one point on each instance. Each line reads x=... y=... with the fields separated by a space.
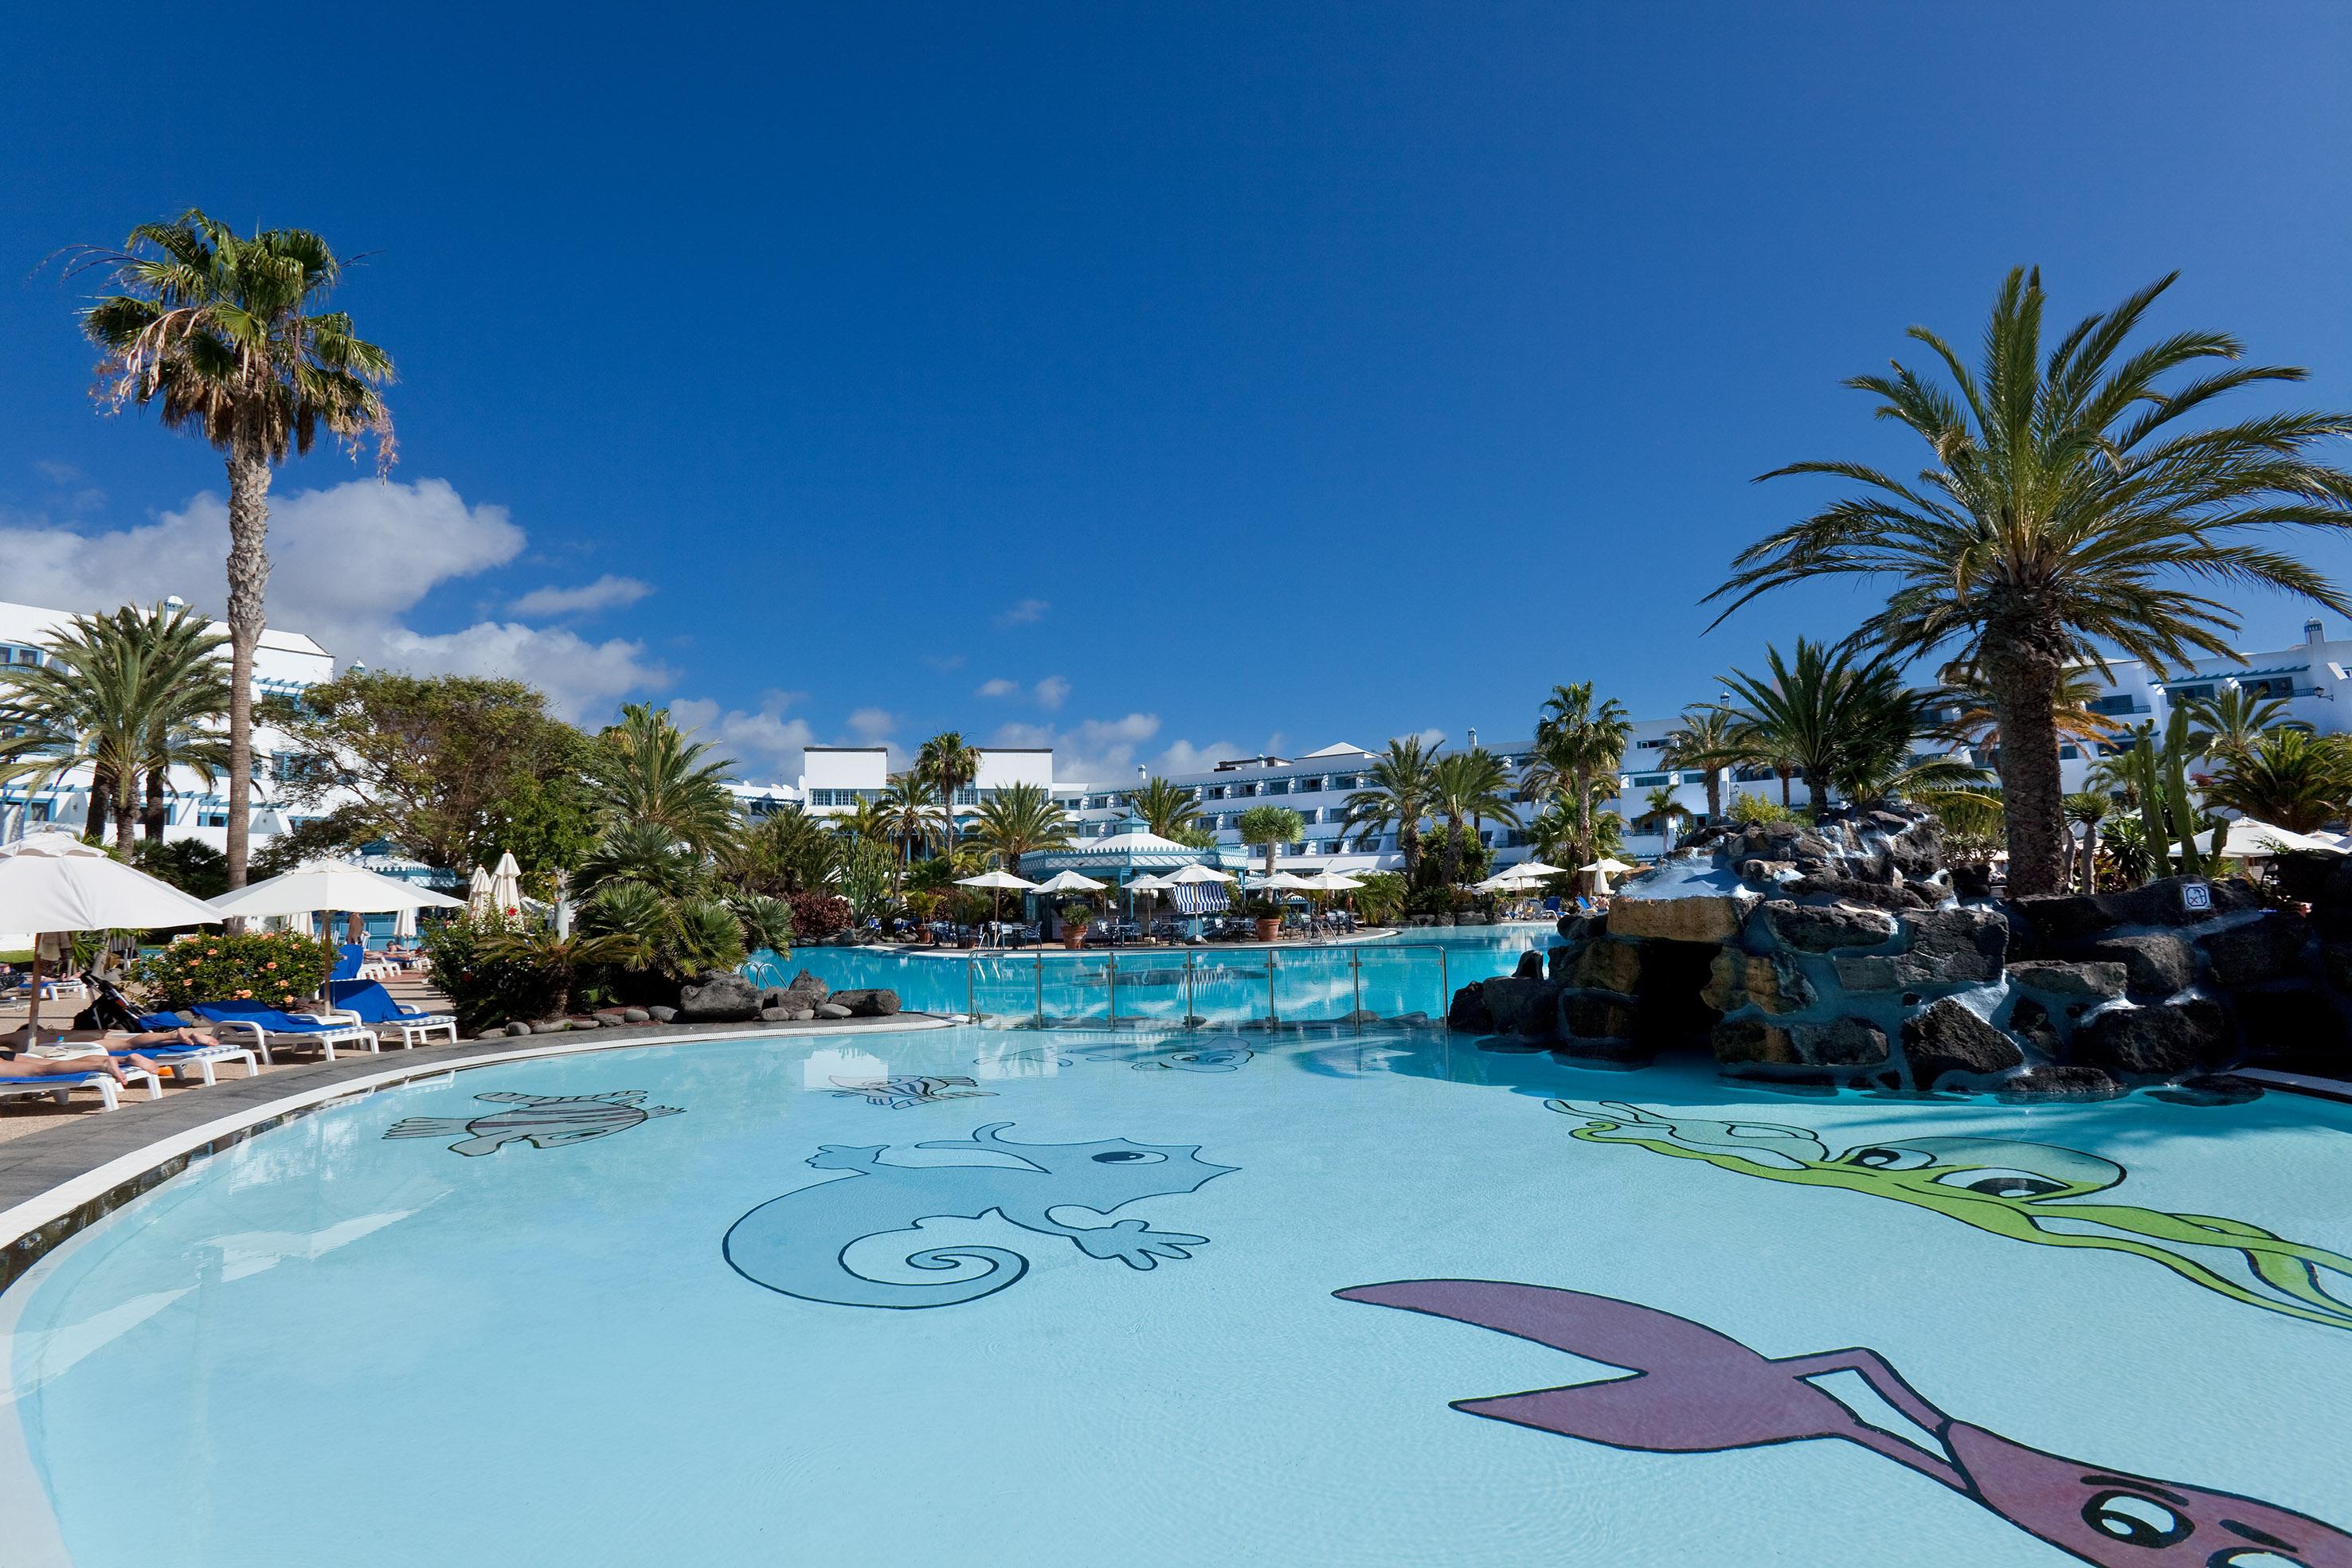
x=1073 y=940
x=1266 y=929
x=968 y=942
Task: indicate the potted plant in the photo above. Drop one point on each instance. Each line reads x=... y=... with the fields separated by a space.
x=1265 y=916
x=921 y=904
x=1076 y=918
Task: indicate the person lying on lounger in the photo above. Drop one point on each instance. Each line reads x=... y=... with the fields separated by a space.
x=15 y=1063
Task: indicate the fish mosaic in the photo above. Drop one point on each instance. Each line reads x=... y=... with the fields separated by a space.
x=900 y=1094
x=1696 y=1391
x=1221 y=1053
x=798 y=1244
x=2026 y=1192
x=543 y=1121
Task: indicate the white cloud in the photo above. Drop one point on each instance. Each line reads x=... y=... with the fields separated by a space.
x=944 y=663
x=56 y=473
x=1430 y=736
x=1027 y=612
x=1096 y=751
x=872 y=726
x=348 y=565
x=1184 y=757
x=1049 y=694
x=765 y=744
x=606 y=592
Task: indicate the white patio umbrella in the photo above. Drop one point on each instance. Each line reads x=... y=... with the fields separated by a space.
x=329 y=884
x=1067 y=882
x=477 y=890
x=1610 y=864
x=1148 y=886
x=996 y=881
x=54 y=882
x=2247 y=839
x=1197 y=873
x=506 y=884
x=1333 y=882
x=1540 y=869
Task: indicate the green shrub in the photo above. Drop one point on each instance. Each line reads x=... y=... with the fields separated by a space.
x=1752 y=811
x=279 y=969
x=490 y=980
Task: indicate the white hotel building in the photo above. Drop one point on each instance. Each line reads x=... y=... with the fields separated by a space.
x=2308 y=677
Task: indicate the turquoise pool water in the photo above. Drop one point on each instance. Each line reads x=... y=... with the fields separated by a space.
x=1390 y=977
x=975 y=1296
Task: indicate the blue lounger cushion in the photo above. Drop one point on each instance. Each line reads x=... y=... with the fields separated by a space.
x=371 y=1002
x=270 y=1018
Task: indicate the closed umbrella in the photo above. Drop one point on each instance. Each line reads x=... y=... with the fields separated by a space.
x=54 y=882
x=477 y=890
x=506 y=885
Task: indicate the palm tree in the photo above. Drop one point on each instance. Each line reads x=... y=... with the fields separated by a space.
x=1841 y=721
x=1020 y=819
x=1165 y=809
x=868 y=821
x=2070 y=713
x=2226 y=725
x=1661 y=807
x=1576 y=746
x=129 y=694
x=787 y=851
x=1269 y=826
x=2063 y=509
x=228 y=336
x=650 y=773
x=1466 y=788
x=2289 y=779
x=2089 y=808
x=951 y=764
x=1706 y=739
x=1396 y=789
x=911 y=805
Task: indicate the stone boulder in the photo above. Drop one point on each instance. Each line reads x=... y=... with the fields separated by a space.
x=1595 y=1014
x=2163 y=1039
x=661 y=1014
x=777 y=1015
x=1949 y=1037
x=718 y=996
x=2061 y=919
x=2154 y=965
x=1812 y=928
x=1613 y=963
x=867 y=1004
x=2297 y=1028
x=1510 y=1001
x=2268 y=947
x=2096 y=981
x=809 y=990
x=635 y=1015
x=1467 y=1010
x=1847 y=1042
x=1770 y=980
x=1948 y=947
x=1530 y=966
x=832 y=1011
x=2052 y=1082
x=1709 y=917
x=515 y=1028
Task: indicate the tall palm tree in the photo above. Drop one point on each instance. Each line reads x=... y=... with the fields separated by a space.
x=1577 y=746
x=1841 y=720
x=868 y=821
x=911 y=804
x=1466 y=788
x=2066 y=508
x=950 y=764
x=128 y=695
x=1660 y=807
x=1165 y=809
x=2071 y=712
x=227 y=336
x=2289 y=779
x=788 y=851
x=1395 y=789
x=1020 y=819
x=650 y=771
x=2226 y=725
x=1706 y=739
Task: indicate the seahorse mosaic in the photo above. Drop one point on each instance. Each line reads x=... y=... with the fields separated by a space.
x=2026 y=1192
x=798 y=1244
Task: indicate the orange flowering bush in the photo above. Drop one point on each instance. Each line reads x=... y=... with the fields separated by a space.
x=279 y=969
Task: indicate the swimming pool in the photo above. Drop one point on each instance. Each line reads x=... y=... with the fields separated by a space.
x=1227 y=1290
x=1404 y=976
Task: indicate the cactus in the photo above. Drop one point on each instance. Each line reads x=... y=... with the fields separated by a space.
x=2176 y=782
x=2148 y=787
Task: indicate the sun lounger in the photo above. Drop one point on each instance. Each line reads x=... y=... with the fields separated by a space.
x=57 y=1085
x=368 y=1003
x=268 y=1024
x=180 y=1057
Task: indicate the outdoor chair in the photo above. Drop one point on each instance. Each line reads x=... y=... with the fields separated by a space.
x=265 y=1024
x=366 y=1002
x=177 y=1057
x=57 y=1085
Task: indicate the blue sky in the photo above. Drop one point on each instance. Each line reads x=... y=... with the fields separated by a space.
x=1158 y=379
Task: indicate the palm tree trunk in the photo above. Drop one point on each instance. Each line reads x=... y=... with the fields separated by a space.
x=126 y=813
x=101 y=793
x=2023 y=682
x=2091 y=856
x=249 y=577
x=1817 y=794
x=1714 y=796
x=152 y=820
x=1782 y=769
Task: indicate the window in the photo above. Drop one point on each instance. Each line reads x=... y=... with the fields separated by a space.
x=2121 y=702
x=1277 y=786
x=1649 y=780
x=212 y=819
x=965 y=796
x=2068 y=754
x=1245 y=791
x=2191 y=694
x=1310 y=785
x=1216 y=792
x=1486 y=839
x=2275 y=686
x=1345 y=782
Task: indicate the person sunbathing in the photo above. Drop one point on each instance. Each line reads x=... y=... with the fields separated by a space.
x=17 y=1043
